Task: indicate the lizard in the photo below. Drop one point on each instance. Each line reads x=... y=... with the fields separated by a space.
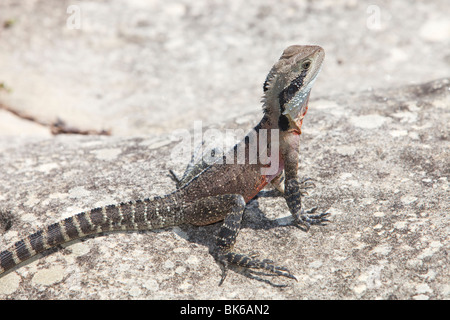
x=210 y=193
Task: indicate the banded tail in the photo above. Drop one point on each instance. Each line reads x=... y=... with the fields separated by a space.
x=144 y=214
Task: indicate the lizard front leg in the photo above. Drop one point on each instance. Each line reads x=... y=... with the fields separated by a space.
x=293 y=193
x=294 y=188
x=230 y=208
x=278 y=184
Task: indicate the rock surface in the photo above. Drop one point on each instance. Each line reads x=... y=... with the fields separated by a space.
x=381 y=163
x=376 y=139
x=146 y=67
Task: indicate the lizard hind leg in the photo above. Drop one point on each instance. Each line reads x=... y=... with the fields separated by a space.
x=226 y=239
x=230 y=208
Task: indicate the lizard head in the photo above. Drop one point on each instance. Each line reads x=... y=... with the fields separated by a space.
x=288 y=84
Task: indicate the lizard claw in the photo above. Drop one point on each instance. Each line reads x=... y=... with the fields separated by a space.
x=305 y=184
x=308 y=218
x=311 y=218
x=249 y=262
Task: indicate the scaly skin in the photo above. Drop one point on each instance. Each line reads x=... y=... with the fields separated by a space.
x=211 y=193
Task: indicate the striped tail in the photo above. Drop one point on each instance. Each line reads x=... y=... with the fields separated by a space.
x=155 y=213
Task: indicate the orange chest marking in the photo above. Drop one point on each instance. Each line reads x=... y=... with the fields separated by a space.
x=259 y=185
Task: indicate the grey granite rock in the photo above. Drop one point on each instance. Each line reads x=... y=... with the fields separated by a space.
x=145 y=67
x=381 y=162
x=378 y=148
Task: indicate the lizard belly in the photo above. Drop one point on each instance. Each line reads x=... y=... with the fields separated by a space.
x=262 y=182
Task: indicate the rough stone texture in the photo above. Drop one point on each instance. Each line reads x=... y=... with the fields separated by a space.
x=382 y=167
x=143 y=69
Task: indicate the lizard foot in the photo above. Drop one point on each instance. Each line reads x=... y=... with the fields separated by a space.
x=305 y=185
x=308 y=218
x=303 y=219
x=250 y=262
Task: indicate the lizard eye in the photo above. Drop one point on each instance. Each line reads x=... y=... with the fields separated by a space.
x=306 y=65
